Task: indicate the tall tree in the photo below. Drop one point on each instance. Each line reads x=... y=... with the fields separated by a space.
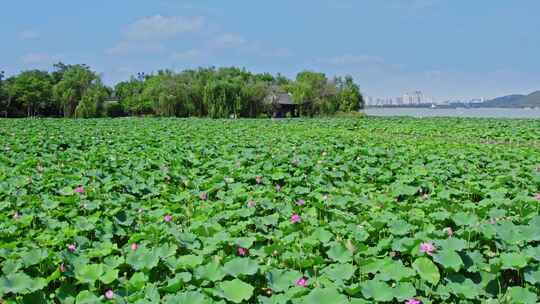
x=168 y=95
x=76 y=80
x=350 y=98
x=311 y=89
x=3 y=95
x=32 y=91
x=129 y=93
x=92 y=101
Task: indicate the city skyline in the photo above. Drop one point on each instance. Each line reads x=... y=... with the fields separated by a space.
x=416 y=97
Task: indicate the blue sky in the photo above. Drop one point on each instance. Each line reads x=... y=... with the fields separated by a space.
x=447 y=48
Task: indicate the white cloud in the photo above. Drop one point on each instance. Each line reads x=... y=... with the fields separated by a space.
x=28 y=35
x=40 y=58
x=186 y=55
x=159 y=27
x=227 y=41
x=349 y=59
x=147 y=34
x=126 y=46
x=240 y=44
x=414 y=5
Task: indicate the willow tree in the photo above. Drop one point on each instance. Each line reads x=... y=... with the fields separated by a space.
x=69 y=91
x=222 y=98
x=168 y=95
x=92 y=102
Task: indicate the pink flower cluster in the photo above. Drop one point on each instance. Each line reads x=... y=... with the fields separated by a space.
x=79 y=190
x=242 y=251
x=109 y=294
x=427 y=248
x=413 y=301
x=295 y=218
x=301 y=282
x=203 y=196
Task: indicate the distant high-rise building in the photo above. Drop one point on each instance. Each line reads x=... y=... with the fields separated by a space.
x=414 y=98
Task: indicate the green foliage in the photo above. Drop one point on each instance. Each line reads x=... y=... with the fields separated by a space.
x=77 y=91
x=32 y=91
x=366 y=201
x=92 y=102
x=69 y=91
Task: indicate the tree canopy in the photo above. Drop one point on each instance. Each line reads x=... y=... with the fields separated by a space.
x=77 y=91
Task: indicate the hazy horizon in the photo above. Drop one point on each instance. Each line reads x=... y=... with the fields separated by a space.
x=448 y=49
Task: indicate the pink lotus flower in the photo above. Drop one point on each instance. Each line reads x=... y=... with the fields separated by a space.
x=427 y=248
x=295 y=218
x=242 y=251
x=413 y=301
x=300 y=202
x=258 y=179
x=72 y=247
x=302 y=282
x=109 y=294
x=251 y=203
x=167 y=218
x=449 y=231
x=134 y=246
x=62 y=268
x=203 y=196
x=79 y=190
x=537 y=197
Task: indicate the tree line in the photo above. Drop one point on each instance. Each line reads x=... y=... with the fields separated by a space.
x=77 y=91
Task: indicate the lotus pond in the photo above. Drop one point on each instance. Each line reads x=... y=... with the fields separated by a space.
x=319 y=211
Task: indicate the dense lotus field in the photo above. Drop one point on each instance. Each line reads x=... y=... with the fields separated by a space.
x=376 y=210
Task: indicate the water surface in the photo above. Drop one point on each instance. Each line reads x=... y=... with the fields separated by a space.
x=479 y=112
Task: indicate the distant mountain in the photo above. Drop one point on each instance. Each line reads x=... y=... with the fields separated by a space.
x=515 y=101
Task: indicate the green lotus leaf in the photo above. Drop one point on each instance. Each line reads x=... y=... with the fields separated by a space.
x=241 y=266
x=235 y=291
x=339 y=272
x=142 y=258
x=521 y=295
x=188 y=297
x=377 y=290
x=325 y=295
x=87 y=297
x=339 y=253
x=211 y=272
x=449 y=259
x=427 y=270
x=281 y=280
x=20 y=283
x=513 y=260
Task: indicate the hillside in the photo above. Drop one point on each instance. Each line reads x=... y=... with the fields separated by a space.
x=515 y=101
